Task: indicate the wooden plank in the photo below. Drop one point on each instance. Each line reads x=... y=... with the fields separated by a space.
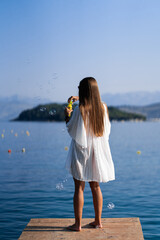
x=55 y=229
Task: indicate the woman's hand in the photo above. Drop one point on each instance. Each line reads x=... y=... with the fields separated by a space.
x=67 y=111
x=73 y=98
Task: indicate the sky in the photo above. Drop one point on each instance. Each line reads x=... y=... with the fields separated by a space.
x=48 y=46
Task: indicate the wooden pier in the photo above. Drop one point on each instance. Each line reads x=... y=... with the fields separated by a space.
x=55 y=229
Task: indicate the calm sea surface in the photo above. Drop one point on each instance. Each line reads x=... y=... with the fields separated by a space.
x=35 y=184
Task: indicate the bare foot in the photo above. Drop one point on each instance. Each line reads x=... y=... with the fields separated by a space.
x=74 y=228
x=95 y=225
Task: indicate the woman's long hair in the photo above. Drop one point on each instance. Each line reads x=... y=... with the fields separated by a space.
x=91 y=106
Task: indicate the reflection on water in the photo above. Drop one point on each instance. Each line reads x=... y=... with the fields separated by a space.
x=35 y=184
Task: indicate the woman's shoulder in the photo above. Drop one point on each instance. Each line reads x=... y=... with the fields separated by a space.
x=76 y=107
x=105 y=105
x=106 y=108
x=76 y=110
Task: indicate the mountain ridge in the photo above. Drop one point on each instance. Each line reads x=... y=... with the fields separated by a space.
x=150 y=111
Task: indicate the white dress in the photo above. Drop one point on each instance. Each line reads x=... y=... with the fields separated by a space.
x=89 y=157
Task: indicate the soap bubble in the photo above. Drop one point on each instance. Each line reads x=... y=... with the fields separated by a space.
x=42 y=109
x=111 y=205
x=65 y=180
x=59 y=186
x=52 y=112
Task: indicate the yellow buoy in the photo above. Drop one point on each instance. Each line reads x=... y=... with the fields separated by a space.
x=23 y=150
x=2 y=135
x=138 y=152
x=66 y=148
x=27 y=132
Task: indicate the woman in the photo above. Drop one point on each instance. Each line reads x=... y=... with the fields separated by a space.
x=89 y=157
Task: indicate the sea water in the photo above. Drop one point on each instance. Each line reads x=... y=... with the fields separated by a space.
x=35 y=184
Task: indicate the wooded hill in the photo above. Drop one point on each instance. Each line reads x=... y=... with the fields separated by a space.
x=55 y=112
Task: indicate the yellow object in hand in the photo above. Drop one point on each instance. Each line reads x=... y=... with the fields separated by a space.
x=70 y=107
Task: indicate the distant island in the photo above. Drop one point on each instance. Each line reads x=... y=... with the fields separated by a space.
x=136 y=102
x=55 y=112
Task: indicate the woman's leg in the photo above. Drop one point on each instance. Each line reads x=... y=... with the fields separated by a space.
x=78 y=201
x=98 y=203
